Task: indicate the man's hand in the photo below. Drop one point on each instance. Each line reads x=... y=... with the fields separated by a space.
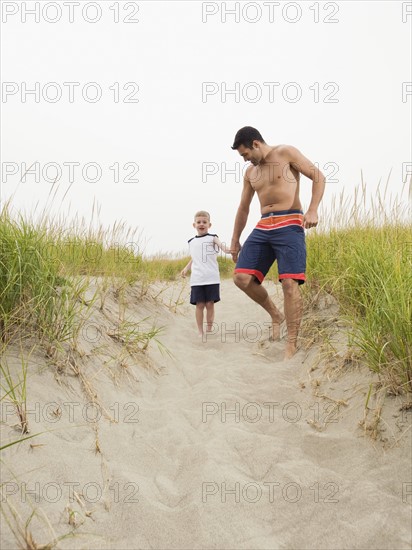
x=235 y=249
x=183 y=273
x=310 y=219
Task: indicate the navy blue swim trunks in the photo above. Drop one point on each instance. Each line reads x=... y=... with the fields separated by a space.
x=277 y=236
x=204 y=293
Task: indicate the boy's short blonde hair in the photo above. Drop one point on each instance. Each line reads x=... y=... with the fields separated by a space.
x=202 y=213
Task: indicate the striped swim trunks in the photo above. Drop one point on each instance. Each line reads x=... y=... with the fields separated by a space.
x=277 y=236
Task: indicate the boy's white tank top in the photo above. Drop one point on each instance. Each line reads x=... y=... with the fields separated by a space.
x=205 y=269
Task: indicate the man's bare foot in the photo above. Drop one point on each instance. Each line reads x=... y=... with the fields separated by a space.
x=276 y=323
x=290 y=350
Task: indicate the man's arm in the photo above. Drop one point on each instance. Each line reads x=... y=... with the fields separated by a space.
x=308 y=169
x=241 y=215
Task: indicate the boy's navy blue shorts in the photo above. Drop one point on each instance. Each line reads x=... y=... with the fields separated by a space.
x=277 y=236
x=204 y=293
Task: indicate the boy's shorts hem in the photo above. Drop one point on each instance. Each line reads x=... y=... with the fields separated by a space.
x=204 y=293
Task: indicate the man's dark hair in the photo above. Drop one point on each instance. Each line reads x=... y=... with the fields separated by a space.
x=246 y=136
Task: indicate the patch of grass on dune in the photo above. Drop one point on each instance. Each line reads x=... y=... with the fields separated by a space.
x=365 y=261
x=33 y=290
x=369 y=271
x=46 y=265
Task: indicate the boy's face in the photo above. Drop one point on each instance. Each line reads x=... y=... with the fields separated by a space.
x=201 y=224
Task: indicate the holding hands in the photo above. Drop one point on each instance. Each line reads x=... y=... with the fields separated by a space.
x=234 y=250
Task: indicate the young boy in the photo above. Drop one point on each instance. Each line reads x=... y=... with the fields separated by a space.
x=205 y=278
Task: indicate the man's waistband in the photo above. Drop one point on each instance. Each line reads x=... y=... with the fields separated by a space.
x=282 y=213
x=281 y=218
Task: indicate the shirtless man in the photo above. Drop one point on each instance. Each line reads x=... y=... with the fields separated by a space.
x=279 y=235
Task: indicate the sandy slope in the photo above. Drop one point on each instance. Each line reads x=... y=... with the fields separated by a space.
x=222 y=446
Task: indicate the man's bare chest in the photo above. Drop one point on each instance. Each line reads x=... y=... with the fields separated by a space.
x=268 y=176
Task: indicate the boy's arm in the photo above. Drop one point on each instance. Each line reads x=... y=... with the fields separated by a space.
x=186 y=269
x=222 y=246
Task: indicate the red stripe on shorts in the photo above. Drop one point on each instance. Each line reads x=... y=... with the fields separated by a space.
x=300 y=276
x=258 y=274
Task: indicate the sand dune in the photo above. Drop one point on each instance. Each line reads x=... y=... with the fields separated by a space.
x=223 y=445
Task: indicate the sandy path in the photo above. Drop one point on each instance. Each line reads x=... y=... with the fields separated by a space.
x=259 y=477
x=223 y=456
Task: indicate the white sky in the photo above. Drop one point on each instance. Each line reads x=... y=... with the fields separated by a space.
x=172 y=131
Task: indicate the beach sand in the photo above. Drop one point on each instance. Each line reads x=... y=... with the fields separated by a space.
x=222 y=445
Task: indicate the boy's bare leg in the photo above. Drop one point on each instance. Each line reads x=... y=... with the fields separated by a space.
x=200 y=306
x=259 y=294
x=293 y=311
x=210 y=315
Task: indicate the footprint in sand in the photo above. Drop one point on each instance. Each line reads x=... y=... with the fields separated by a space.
x=274 y=351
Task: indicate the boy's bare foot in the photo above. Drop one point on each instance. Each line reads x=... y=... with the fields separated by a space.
x=290 y=350
x=276 y=323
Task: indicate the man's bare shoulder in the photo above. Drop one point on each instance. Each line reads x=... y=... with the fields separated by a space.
x=285 y=150
x=248 y=172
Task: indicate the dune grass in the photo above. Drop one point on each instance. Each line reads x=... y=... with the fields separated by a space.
x=45 y=270
x=369 y=271
x=45 y=267
x=35 y=295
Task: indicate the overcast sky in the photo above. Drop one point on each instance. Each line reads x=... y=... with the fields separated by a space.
x=145 y=98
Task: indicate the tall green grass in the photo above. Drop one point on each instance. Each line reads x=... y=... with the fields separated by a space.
x=369 y=271
x=34 y=292
x=364 y=259
x=45 y=268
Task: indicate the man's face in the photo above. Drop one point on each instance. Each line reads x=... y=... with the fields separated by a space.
x=201 y=224
x=253 y=155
